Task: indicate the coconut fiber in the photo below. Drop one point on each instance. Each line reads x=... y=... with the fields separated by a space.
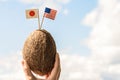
x=39 y=52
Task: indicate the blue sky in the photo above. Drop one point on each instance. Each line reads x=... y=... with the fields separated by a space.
x=66 y=29
x=86 y=33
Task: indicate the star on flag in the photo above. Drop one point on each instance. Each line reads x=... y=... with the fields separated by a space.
x=50 y=13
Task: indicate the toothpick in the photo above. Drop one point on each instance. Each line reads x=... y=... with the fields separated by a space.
x=42 y=19
x=38 y=21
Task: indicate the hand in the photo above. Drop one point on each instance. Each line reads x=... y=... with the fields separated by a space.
x=54 y=75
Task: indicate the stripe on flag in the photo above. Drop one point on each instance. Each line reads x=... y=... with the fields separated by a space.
x=50 y=13
x=32 y=13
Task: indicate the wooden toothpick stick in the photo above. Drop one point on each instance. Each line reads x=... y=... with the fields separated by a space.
x=42 y=19
x=39 y=21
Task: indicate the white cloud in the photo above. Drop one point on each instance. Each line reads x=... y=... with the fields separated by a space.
x=93 y=67
x=65 y=11
x=31 y=1
x=11 y=67
x=41 y=4
x=105 y=26
x=104 y=40
x=51 y=4
x=73 y=66
x=91 y=18
x=64 y=1
x=44 y=1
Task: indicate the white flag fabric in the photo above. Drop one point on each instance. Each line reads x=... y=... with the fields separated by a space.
x=32 y=13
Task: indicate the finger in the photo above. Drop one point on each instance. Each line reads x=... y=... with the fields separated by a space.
x=27 y=70
x=59 y=70
x=58 y=75
x=56 y=69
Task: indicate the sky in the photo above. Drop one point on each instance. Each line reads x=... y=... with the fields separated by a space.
x=19 y=27
x=86 y=33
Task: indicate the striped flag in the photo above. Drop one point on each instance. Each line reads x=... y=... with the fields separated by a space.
x=32 y=13
x=50 y=13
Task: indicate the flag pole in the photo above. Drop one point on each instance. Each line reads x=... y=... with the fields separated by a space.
x=42 y=19
x=39 y=21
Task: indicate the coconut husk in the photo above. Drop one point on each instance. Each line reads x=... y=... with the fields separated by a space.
x=39 y=52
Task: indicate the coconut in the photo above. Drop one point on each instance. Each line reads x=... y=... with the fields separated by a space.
x=39 y=52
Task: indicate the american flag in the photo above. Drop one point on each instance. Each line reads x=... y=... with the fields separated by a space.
x=50 y=13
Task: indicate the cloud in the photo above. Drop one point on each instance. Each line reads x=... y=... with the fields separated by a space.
x=102 y=64
x=97 y=66
x=66 y=12
x=41 y=4
x=44 y=1
x=31 y=1
x=64 y=1
x=73 y=66
x=104 y=40
x=91 y=18
x=51 y=4
x=11 y=67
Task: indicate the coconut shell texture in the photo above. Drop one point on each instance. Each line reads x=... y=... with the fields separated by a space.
x=39 y=52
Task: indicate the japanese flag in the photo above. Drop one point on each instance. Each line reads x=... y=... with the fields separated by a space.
x=32 y=13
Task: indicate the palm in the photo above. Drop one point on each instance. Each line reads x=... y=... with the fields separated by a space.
x=55 y=73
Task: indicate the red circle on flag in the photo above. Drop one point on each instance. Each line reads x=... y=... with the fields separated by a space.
x=31 y=13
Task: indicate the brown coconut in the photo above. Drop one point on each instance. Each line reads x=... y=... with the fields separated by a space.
x=39 y=52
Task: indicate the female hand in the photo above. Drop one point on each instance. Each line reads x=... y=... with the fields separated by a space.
x=54 y=75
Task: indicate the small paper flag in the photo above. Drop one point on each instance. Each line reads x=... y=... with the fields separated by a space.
x=32 y=13
x=50 y=13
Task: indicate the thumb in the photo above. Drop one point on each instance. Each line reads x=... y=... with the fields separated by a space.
x=27 y=71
